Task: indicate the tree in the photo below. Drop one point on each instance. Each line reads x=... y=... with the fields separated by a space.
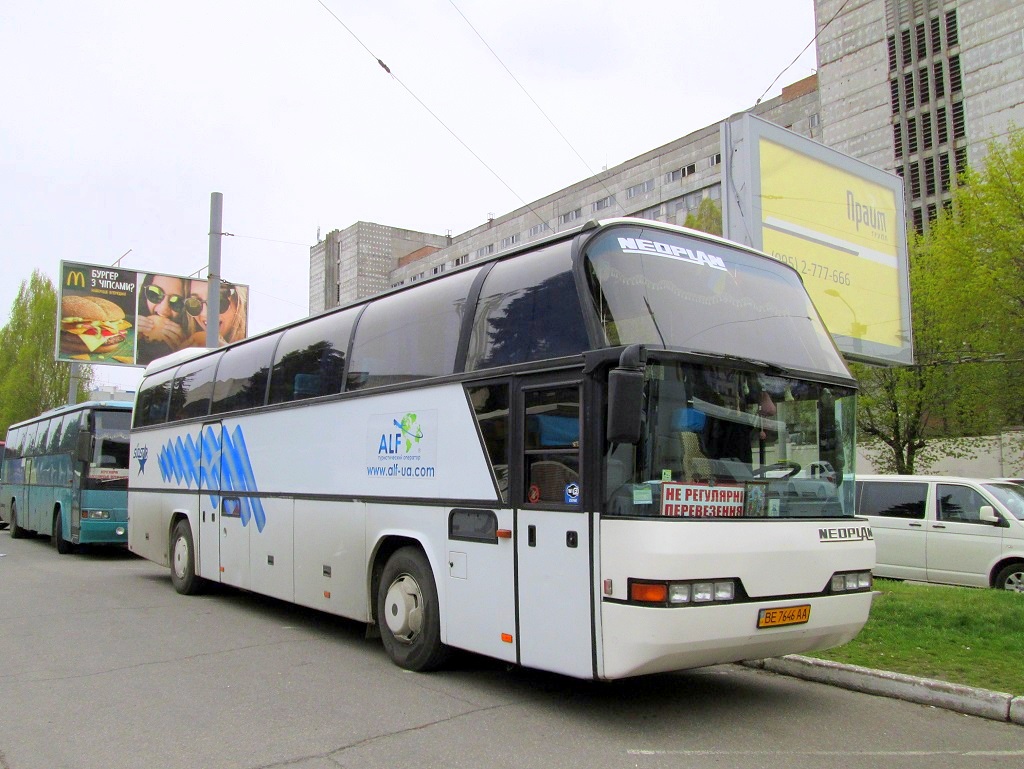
x=31 y=379
x=967 y=297
x=707 y=219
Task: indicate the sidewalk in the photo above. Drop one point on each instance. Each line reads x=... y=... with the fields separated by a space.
x=997 y=706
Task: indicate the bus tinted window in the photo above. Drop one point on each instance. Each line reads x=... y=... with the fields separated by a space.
x=410 y=335
x=153 y=400
x=310 y=360
x=69 y=432
x=56 y=430
x=192 y=388
x=243 y=374
x=528 y=310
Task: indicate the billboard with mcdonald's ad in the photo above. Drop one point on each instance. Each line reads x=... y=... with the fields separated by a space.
x=837 y=220
x=112 y=316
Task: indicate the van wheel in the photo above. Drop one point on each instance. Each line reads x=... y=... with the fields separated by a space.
x=16 y=531
x=183 y=560
x=1011 y=578
x=63 y=546
x=408 y=613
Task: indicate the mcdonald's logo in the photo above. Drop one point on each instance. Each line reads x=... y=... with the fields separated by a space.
x=75 y=278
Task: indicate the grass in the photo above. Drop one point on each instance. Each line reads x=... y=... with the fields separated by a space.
x=956 y=634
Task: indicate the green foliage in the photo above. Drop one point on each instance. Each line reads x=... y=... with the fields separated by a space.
x=962 y=635
x=967 y=300
x=31 y=379
x=708 y=218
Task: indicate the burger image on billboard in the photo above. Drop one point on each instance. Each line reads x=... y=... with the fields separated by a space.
x=91 y=324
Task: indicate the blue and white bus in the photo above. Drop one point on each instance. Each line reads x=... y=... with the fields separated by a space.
x=585 y=456
x=65 y=475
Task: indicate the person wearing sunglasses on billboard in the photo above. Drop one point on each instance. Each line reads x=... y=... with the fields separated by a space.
x=232 y=324
x=159 y=321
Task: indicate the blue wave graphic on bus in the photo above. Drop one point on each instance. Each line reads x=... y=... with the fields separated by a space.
x=186 y=461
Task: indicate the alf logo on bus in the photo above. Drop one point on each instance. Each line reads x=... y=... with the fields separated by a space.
x=402 y=445
x=214 y=463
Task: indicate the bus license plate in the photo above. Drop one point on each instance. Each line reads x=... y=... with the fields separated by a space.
x=785 y=615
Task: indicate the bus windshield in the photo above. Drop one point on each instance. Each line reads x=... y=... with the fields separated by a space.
x=108 y=466
x=724 y=441
x=654 y=287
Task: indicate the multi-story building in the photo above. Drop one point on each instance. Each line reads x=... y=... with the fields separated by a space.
x=917 y=87
x=920 y=87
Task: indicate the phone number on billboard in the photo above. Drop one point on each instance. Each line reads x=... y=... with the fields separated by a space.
x=813 y=269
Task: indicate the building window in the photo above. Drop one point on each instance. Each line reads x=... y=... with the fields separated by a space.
x=640 y=189
x=918 y=221
x=955 y=83
x=892 y=53
x=537 y=229
x=929 y=176
x=961 y=160
x=926 y=130
x=911 y=135
x=959 y=128
x=952 y=34
x=936 y=35
x=922 y=86
x=484 y=251
x=570 y=216
x=716 y=159
x=897 y=139
x=940 y=82
x=813 y=121
x=511 y=240
x=438 y=269
x=915 y=181
x=942 y=125
x=604 y=203
x=908 y=89
x=932 y=212
x=462 y=260
x=905 y=46
x=944 y=172
x=894 y=93
x=922 y=50
x=650 y=213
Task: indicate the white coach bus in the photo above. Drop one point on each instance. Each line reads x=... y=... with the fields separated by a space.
x=622 y=450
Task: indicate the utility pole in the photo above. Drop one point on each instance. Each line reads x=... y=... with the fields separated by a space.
x=213 y=271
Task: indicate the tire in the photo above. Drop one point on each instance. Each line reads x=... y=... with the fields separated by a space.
x=408 y=613
x=182 y=554
x=63 y=546
x=16 y=531
x=1011 y=577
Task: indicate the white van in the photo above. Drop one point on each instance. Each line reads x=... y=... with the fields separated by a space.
x=957 y=531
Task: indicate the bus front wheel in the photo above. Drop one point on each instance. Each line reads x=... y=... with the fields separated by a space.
x=63 y=546
x=183 y=560
x=16 y=531
x=408 y=613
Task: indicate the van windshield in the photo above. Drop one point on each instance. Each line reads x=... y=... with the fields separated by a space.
x=1011 y=495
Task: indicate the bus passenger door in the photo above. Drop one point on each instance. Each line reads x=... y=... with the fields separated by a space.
x=208 y=505
x=553 y=533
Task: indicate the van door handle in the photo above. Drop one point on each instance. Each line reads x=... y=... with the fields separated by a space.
x=938 y=526
x=915 y=525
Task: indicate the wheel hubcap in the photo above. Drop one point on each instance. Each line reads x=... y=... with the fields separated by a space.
x=403 y=608
x=180 y=557
x=1015 y=582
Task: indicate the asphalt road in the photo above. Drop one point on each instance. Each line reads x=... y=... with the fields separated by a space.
x=103 y=665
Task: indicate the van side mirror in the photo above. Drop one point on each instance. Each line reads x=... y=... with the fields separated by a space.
x=626 y=396
x=83 y=447
x=988 y=514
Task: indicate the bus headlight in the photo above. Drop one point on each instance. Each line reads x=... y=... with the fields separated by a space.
x=682 y=593
x=96 y=515
x=851 y=581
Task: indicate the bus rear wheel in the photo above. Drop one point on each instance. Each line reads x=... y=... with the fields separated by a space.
x=63 y=546
x=16 y=531
x=183 y=560
x=408 y=613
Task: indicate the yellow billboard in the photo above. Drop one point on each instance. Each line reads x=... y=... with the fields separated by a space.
x=837 y=221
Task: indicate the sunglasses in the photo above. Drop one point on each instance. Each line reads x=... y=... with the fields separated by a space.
x=155 y=295
x=194 y=305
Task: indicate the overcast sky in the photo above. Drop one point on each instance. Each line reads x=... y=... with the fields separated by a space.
x=118 y=119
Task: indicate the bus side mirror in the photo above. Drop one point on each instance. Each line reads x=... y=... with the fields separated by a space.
x=83 y=447
x=626 y=396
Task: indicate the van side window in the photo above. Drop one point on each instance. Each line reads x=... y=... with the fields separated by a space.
x=960 y=504
x=893 y=500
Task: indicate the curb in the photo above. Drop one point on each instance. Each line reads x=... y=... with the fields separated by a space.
x=997 y=706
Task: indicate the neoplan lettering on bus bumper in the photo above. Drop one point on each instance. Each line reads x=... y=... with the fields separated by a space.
x=845 y=534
